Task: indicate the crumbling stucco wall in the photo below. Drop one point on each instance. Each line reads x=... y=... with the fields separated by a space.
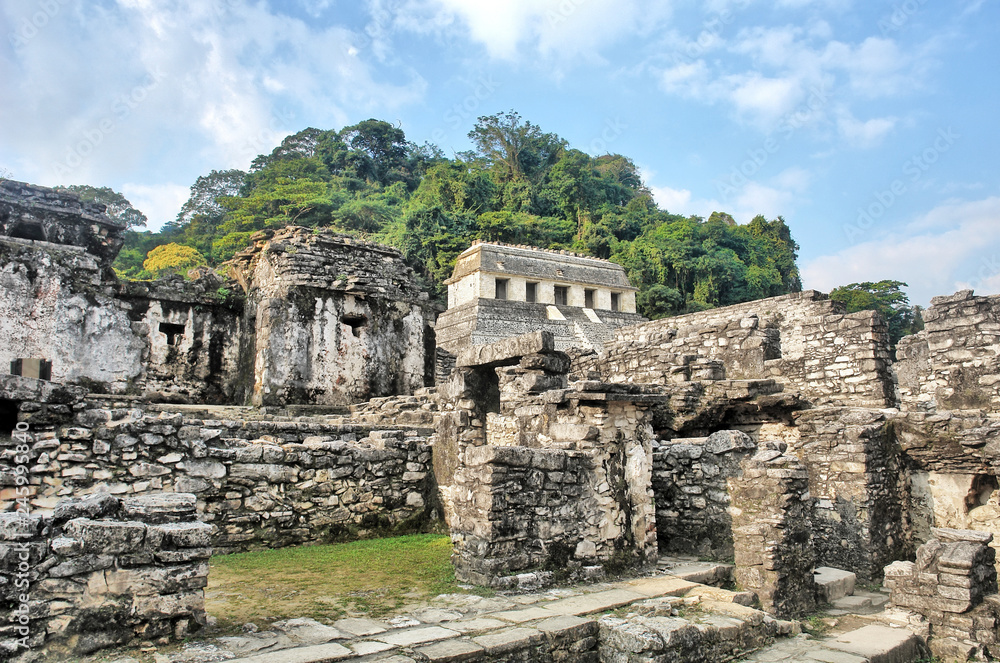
x=55 y=305
x=336 y=320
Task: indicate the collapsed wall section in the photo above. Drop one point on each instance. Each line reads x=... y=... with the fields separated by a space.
x=546 y=477
x=336 y=320
x=690 y=484
x=858 y=479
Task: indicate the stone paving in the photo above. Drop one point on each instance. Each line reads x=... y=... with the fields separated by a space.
x=459 y=627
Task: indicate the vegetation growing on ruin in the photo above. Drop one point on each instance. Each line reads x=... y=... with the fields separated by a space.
x=374 y=577
x=886 y=297
x=519 y=185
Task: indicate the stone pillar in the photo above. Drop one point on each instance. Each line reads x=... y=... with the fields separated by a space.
x=772 y=531
x=857 y=478
x=953 y=584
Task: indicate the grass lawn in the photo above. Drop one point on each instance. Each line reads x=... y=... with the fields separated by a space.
x=372 y=578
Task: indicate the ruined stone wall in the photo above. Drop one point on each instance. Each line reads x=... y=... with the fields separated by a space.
x=336 y=320
x=954 y=363
x=55 y=305
x=547 y=476
x=803 y=340
x=517 y=510
x=262 y=483
x=101 y=572
x=59 y=217
x=858 y=478
x=690 y=484
x=170 y=340
x=953 y=585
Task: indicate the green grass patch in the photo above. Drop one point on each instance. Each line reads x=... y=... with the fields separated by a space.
x=371 y=578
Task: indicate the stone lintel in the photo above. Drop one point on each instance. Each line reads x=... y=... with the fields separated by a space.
x=507 y=352
x=949 y=535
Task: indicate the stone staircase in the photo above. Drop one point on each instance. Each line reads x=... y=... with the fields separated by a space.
x=838 y=589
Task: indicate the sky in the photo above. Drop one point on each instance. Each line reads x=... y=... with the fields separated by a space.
x=870 y=127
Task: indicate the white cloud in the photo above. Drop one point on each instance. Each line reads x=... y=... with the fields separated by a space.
x=160 y=203
x=105 y=89
x=765 y=99
x=520 y=29
x=752 y=199
x=866 y=133
x=951 y=247
x=767 y=74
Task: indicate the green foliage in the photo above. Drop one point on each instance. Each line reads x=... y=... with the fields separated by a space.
x=887 y=298
x=519 y=185
x=172 y=259
x=118 y=206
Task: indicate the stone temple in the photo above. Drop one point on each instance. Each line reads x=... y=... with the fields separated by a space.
x=307 y=391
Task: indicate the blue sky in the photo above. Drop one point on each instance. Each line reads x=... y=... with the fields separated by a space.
x=871 y=127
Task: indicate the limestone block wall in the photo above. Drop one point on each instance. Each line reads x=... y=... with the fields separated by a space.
x=335 y=320
x=261 y=483
x=547 y=477
x=101 y=572
x=954 y=363
x=772 y=531
x=858 y=478
x=517 y=509
x=691 y=492
x=802 y=340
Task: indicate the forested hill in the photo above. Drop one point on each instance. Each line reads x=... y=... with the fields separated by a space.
x=519 y=185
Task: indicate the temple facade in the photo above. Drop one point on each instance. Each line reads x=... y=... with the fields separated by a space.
x=499 y=291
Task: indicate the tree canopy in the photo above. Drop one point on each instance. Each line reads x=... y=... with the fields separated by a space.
x=172 y=259
x=118 y=206
x=519 y=185
x=887 y=298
